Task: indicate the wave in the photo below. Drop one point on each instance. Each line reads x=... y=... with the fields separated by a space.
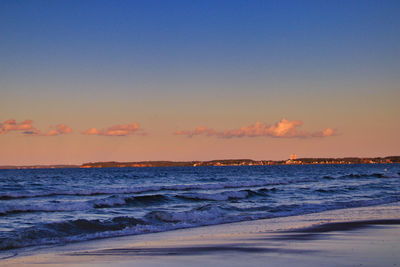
x=362 y=175
x=146 y=189
x=60 y=206
x=217 y=196
x=336 y=189
x=112 y=201
x=203 y=215
x=159 y=221
x=61 y=232
x=187 y=187
x=226 y=195
x=117 y=201
x=82 y=229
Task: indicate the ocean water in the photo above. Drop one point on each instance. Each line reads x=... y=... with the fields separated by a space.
x=58 y=206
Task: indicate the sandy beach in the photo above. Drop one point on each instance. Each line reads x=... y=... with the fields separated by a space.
x=368 y=236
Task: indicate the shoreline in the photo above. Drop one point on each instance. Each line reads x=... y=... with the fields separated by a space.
x=336 y=237
x=212 y=163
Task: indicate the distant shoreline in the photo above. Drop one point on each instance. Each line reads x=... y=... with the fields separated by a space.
x=224 y=162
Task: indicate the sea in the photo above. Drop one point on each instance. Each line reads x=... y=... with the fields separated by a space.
x=40 y=207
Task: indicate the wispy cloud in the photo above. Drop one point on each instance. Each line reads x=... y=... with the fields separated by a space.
x=282 y=129
x=26 y=128
x=116 y=130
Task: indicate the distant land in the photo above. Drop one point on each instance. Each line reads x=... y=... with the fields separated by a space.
x=223 y=162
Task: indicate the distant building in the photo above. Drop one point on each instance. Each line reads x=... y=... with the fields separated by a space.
x=293 y=157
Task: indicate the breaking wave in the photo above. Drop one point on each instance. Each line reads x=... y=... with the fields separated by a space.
x=159 y=221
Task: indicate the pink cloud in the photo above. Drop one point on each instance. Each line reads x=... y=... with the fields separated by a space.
x=58 y=130
x=63 y=129
x=284 y=129
x=324 y=133
x=91 y=131
x=12 y=125
x=27 y=128
x=116 y=130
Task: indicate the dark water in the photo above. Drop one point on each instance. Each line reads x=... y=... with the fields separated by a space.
x=55 y=206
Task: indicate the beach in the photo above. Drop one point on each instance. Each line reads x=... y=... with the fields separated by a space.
x=366 y=236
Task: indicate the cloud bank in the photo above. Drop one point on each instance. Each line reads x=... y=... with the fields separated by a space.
x=116 y=130
x=26 y=128
x=282 y=129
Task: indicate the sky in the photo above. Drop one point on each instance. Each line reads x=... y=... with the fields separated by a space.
x=85 y=81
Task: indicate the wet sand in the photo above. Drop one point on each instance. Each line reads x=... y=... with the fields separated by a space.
x=368 y=236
